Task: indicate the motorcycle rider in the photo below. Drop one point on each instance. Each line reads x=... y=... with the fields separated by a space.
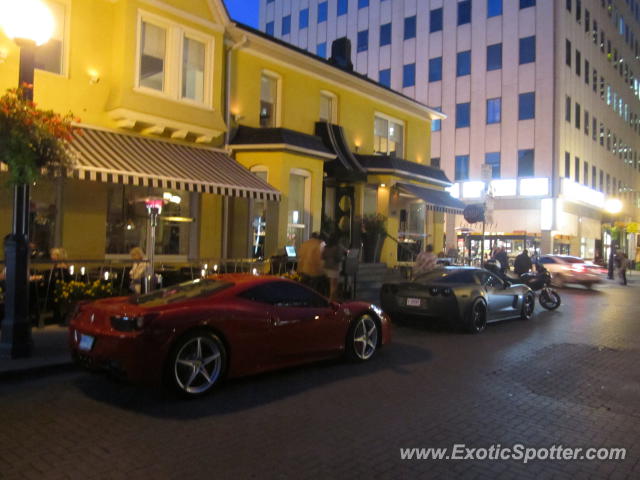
x=522 y=263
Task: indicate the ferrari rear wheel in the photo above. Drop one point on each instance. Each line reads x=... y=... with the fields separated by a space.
x=528 y=305
x=362 y=340
x=477 y=317
x=197 y=363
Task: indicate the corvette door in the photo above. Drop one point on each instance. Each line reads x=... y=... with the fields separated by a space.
x=501 y=301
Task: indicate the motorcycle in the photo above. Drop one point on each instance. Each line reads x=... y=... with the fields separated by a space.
x=540 y=283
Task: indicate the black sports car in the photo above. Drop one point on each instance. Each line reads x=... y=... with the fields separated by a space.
x=465 y=296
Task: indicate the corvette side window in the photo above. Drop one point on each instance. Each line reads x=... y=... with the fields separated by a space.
x=494 y=282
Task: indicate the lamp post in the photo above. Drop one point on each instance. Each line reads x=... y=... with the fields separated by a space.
x=613 y=207
x=29 y=23
x=154 y=209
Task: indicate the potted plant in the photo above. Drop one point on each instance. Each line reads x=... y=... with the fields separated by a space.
x=374 y=232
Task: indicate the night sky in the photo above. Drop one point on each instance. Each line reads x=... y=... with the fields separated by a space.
x=244 y=11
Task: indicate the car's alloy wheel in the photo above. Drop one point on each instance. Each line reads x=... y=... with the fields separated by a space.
x=528 y=305
x=197 y=363
x=477 y=317
x=362 y=341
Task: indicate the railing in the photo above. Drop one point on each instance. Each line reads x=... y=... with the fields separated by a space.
x=45 y=273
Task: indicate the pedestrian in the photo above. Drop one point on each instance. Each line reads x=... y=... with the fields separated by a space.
x=138 y=269
x=621 y=266
x=425 y=262
x=58 y=276
x=612 y=261
x=310 y=265
x=503 y=258
x=332 y=255
x=522 y=263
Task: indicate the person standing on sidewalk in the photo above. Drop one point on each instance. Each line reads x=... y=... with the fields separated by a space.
x=522 y=263
x=310 y=265
x=621 y=265
x=332 y=255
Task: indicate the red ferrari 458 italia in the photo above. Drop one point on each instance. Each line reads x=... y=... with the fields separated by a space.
x=192 y=335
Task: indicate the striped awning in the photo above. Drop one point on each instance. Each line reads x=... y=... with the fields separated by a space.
x=436 y=200
x=112 y=157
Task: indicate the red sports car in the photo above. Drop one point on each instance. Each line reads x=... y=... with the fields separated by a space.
x=191 y=335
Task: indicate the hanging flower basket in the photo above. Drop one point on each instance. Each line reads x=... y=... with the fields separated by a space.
x=32 y=140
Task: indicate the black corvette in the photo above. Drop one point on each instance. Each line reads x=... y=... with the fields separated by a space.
x=465 y=296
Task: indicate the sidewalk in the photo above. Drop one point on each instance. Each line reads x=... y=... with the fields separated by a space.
x=50 y=354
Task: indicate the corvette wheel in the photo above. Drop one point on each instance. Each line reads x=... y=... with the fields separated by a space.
x=197 y=364
x=528 y=305
x=477 y=317
x=362 y=341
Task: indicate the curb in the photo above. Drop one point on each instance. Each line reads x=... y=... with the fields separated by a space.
x=39 y=371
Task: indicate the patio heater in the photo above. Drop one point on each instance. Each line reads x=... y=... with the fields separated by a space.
x=154 y=209
x=28 y=23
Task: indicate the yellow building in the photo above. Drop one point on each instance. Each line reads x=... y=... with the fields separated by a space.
x=248 y=140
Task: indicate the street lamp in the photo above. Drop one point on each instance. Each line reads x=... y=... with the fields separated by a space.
x=28 y=23
x=613 y=207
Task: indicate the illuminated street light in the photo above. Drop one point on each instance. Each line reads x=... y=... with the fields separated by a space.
x=28 y=23
x=613 y=206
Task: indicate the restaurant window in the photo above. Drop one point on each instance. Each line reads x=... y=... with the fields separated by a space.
x=268 y=101
x=43 y=215
x=50 y=57
x=388 y=136
x=298 y=208
x=127 y=220
x=328 y=107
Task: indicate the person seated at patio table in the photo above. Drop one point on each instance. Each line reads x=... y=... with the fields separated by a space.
x=425 y=262
x=138 y=269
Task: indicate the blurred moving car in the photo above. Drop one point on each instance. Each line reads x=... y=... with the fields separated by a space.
x=190 y=336
x=566 y=269
x=466 y=296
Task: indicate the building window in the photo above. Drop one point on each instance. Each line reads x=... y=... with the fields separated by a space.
x=494 y=57
x=586 y=71
x=322 y=12
x=594 y=175
x=585 y=173
x=567 y=53
x=328 y=107
x=298 y=208
x=576 y=170
x=409 y=75
x=567 y=108
x=494 y=110
x=568 y=5
x=363 y=41
x=526 y=106
x=435 y=69
x=384 y=77
x=127 y=220
x=321 y=50
x=186 y=56
x=303 y=19
x=586 y=122
x=464 y=12
x=577 y=116
x=463 y=63
x=494 y=8
x=50 y=57
x=527 y=50
x=270 y=29
x=525 y=163
x=385 y=34
x=567 y=165
x=435 y=162
x=410 y=27
x=463 y=115
x=436 y=124
x=578 y=63
x=462 y=167
x=493 y=159
x=153 y=51
x=594 y=128
x=193 y=70
x=363 y=3
x=268 y=100
x=435 y=20
x=286 y=25
x=342 y=7
x=527 y=3
x=388 y=136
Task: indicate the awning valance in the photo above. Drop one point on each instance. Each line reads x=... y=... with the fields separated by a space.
x=113 y=157
x=437 y=200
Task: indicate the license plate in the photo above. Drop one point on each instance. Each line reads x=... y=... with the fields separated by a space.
x=86 y=342
x=413 y=302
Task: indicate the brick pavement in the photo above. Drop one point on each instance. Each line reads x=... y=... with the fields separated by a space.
x=566 y=377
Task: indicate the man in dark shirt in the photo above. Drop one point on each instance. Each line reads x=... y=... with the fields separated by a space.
x=522 y=263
